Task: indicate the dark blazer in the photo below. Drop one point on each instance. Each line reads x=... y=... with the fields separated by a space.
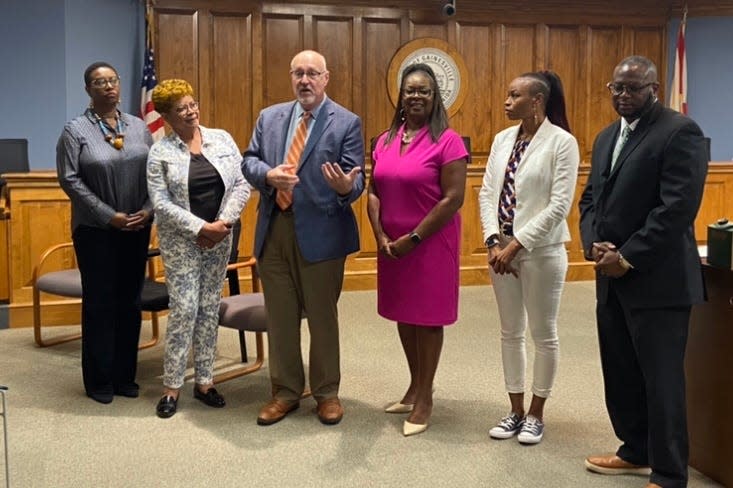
x=647 y=206
x=325 y=226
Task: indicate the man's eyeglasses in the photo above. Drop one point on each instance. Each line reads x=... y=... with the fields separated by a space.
x=184 y=109
x=312 y=75
x=420 y=92
x=617 y=89
x=103 y=82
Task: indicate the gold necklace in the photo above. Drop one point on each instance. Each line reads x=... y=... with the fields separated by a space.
x=407 y=138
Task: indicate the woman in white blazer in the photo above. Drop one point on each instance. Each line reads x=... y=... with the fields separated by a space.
x=195 y=182
x=525 y=198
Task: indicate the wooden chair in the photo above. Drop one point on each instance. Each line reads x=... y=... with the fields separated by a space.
x=67 y=283
x=244 y=312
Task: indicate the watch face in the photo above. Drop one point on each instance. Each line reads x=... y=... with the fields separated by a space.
x=415 y=238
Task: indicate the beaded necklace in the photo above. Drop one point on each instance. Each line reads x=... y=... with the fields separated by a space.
x=116 y=138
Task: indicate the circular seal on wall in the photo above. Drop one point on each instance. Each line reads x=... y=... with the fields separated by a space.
x=446 y=62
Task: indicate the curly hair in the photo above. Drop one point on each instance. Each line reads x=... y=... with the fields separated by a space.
x=167 y=92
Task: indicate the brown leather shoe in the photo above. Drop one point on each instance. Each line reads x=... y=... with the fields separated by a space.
x=330 y=411
x=275 y=411
x=612 y=464
x=653 y=485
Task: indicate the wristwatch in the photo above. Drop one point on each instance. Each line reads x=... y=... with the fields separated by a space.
x=415 y=238
x=623 y=262
x=492 y=241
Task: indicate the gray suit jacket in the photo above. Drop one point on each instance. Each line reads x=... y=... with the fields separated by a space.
x=325 y=226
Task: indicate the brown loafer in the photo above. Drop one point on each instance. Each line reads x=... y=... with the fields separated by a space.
x=330 y=411
x=653 y=485
x=612 y=464
x=275 y=411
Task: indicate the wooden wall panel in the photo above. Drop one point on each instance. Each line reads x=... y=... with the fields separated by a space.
x=231 y=53
x=514 y=49
x=562 y=52
x=602 y=54
x=439 y=31
x=717 y=202
x=334 y=38
x=381 y=40
x=482 y=101
x=4 y=263
x=282 y=38
x=177 y=46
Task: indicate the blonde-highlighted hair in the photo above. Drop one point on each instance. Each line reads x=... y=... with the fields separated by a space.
x=167 y=92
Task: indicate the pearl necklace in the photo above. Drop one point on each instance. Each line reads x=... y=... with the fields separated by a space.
x=115 y=137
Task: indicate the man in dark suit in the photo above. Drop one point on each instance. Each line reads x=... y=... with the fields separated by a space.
x=306 y=159
x=637 y=215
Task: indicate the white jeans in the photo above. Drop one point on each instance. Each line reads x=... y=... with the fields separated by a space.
x=533 y=298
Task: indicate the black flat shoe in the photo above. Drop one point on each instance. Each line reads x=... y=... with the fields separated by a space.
x=129 y=390
x=212 y=397
x=166 y=407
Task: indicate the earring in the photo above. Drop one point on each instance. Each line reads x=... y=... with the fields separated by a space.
x=402 y=114
x=91 y=103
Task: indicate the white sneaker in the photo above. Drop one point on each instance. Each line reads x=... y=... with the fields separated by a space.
x=507 y=427
x=532 y=430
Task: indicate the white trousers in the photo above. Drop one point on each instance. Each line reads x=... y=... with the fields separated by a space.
x=533 y=298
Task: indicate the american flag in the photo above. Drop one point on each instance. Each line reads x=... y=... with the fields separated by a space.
x=147 y=111
x=678 y=92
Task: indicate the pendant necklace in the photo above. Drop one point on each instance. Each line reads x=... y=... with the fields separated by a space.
x=406 y=139
x=116 y=138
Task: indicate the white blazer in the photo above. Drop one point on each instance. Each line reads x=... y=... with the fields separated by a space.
x=544 y=185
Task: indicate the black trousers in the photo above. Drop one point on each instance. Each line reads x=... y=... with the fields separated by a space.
x=642 y=356
x=112 y=266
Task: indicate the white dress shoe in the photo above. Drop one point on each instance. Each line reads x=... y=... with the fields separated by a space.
x=399 y=408
x=408 y=428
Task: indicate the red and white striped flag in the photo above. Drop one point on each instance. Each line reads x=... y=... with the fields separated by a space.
x=678 y=92
x=147 y=110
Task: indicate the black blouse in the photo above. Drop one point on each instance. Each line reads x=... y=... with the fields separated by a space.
x=205 y=188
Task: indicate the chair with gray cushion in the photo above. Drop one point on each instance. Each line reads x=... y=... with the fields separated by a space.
x=67 y=283
x=244 y=312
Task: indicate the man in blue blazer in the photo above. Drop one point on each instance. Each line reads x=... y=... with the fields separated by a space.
x=306 y=158
x=637 y=215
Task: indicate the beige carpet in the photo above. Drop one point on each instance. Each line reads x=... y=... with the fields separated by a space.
x=59 y=438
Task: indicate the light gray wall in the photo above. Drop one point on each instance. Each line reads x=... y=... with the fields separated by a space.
x=709 y=46
x=45 y=45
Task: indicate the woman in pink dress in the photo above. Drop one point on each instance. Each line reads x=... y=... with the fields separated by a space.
x=416 y=190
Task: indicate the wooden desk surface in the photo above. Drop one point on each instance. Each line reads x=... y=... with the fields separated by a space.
x=709 y=371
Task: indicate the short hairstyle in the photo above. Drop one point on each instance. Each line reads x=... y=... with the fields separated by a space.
x=167 y=92
x=95 y=66
x=644 y=62
x=548 y=84
x=438 y=118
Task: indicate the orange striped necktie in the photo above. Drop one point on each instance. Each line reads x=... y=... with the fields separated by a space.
x=283 y=198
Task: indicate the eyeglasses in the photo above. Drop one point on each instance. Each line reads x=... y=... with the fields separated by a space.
x=420 y=92
x=617 y=89
x=311 y=74
x=184 y=109
x=103 y=82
